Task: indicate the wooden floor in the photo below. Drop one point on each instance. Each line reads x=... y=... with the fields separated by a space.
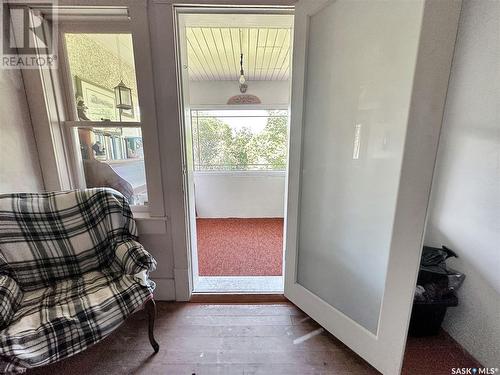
x=197 y=338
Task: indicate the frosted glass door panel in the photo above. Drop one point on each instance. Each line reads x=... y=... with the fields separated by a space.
x=356 y=103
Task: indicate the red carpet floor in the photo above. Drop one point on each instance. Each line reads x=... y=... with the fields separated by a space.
x=240 y=247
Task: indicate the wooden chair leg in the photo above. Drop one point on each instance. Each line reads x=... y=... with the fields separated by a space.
x=151 y=310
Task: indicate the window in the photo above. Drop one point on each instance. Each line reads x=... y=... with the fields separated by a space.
x=107 y=113
x=98 y=63
x=239 y=139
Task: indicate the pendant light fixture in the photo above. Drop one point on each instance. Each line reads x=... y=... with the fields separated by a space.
x=123 y=94
x=242 y=80
x=243 y=98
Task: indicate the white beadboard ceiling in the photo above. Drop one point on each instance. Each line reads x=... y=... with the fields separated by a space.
x=214 y=42
x=214 y=53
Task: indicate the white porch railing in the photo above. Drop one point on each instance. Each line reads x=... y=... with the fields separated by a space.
x=245 y=194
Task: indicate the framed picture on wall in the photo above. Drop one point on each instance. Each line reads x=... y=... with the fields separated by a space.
x=100 y=102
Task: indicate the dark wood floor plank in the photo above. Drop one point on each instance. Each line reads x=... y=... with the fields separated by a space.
x=206 y=339
x=169 y=330
x=219 y=320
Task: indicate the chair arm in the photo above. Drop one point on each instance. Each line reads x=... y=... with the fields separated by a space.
x=11 y=296
x=133 y=258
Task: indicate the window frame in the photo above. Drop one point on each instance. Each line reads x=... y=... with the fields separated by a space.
x=242 y=107
x=148 y=124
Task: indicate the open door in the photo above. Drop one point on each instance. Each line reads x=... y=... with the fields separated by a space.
x=187 y=144
x=368 y=92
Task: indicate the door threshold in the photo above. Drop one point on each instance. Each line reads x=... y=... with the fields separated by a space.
x=239 y=284
x=238 y=298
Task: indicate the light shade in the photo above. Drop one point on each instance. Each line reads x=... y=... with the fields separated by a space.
x=243 y=99
x=123 y=97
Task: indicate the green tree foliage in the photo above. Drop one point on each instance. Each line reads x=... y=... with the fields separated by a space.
x=272 y=142
x=242 y=154
x=212 y=139
x=217 y=146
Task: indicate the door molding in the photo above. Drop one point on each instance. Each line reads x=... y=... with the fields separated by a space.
x=185 y=274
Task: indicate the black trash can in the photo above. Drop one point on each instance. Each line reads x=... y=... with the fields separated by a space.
x=427 y=316
x=435 y=292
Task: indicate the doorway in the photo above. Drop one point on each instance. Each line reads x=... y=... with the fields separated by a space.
x=235 y=81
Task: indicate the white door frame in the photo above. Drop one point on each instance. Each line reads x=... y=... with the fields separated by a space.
x=383 y=349
x=181 y=56
x=185 y=118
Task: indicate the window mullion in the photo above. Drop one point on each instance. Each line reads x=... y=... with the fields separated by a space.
x=103 y=124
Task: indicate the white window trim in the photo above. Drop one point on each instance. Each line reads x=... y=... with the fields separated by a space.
x=138 y=27
x=102 y=124
x=237 y=107
x=44 y=102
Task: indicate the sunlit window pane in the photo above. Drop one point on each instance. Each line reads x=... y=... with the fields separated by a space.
x=102 y=72
x=239 y=139
x=98 y=63
x=114 y=157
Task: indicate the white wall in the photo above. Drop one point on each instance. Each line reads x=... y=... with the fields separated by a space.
x=465 y=210
x=19 y=166
x=246 y=194
x=206 y=93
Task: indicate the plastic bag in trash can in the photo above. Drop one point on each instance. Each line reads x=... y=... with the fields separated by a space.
x=455 y=279
x=436 y=278
x=420 y=294
x=434 y=259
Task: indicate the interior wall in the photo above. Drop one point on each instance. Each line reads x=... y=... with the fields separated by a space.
x=19 y=165
x=465 y=208
x=206 y=93
x=84 y=50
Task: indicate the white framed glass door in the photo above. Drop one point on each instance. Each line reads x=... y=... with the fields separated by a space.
x=368 y=91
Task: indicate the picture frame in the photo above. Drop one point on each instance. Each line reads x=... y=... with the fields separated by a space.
x=100 y=102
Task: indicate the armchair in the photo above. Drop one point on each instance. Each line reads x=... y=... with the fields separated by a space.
x=71 y=271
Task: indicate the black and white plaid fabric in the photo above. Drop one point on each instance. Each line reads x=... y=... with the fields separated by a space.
x=71 y=271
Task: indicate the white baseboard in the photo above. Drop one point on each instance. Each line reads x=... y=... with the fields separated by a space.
x=182 y=287
x=165 y=289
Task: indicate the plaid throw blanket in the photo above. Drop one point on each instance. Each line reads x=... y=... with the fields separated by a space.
x=71 y=271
